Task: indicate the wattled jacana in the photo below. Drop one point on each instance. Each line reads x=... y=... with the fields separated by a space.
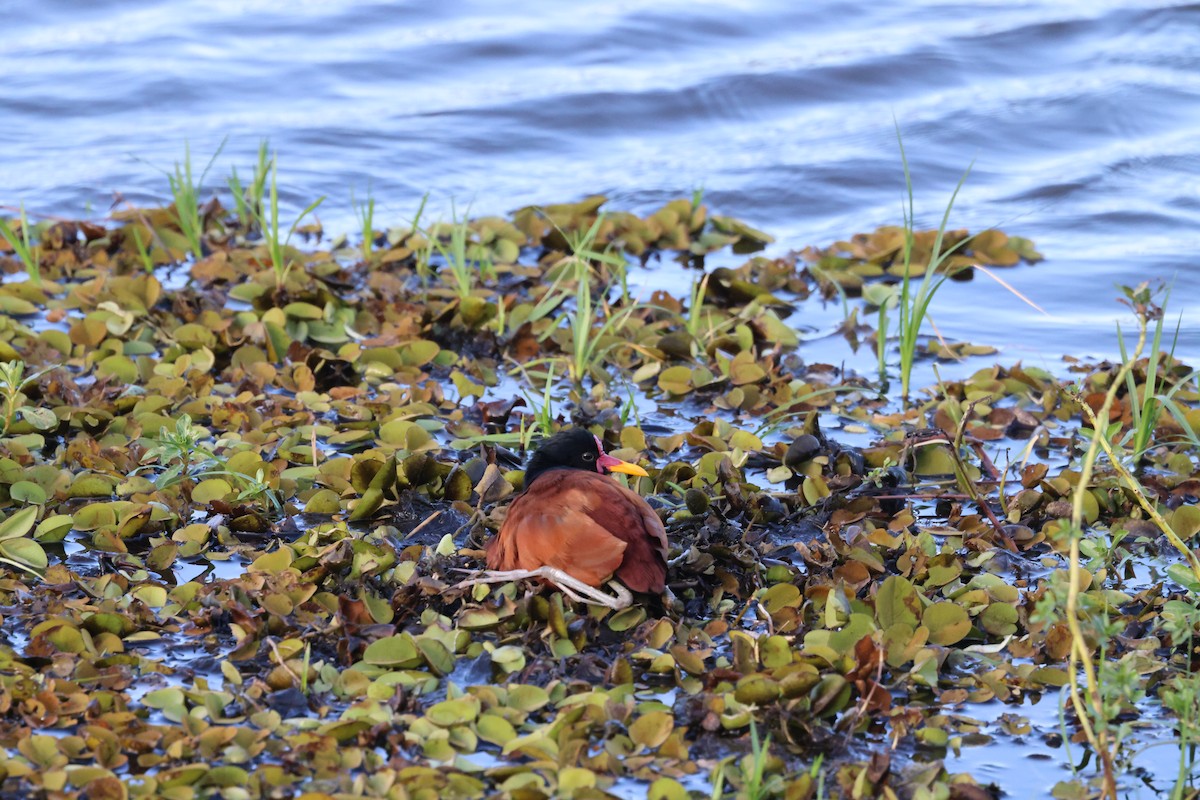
x=577 y=529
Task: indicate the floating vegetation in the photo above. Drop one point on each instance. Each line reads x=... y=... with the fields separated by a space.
x=241 y=481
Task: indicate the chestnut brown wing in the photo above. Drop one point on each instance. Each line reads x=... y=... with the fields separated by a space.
x=586 y=525
x=552 y=525
x=631 y=519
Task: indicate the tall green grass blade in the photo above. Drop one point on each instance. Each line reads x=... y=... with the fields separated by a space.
x=143 y=250
x=185 y=192
x=22 y=245
x=248 y=200
x=366 y=219
x=276 y=246
x=914 y=305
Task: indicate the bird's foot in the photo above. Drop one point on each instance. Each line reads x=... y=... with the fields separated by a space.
x=572 y=587
x=672 y=602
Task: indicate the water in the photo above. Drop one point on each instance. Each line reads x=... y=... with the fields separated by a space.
x=1029 y=764
x=1081 y=119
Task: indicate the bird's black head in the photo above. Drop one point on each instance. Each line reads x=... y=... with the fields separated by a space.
x=575 y=448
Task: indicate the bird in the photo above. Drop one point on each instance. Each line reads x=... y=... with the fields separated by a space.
x=577 y=529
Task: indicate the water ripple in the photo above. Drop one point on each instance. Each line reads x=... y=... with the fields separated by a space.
x=1081 y=118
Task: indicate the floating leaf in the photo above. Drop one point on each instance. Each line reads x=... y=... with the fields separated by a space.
x=627 y=618
x=1185 y=520
x=675 y=380
x=651 y=730
x=54 y=528
x=211 y=489
x=509 y=658
x=999 y=619
x=25 y=553
x=27 y=492
x=273 y=563
x=393 y=651
x=495 y=729
x=19 y=523
x=947 y=622
x=454 y=712
x=897 y=602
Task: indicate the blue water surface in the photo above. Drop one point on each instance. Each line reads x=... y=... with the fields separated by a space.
x=1081 y=121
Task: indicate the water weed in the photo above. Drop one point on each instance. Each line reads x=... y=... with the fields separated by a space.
x=366 y=219
x=582 y=247
x=1147 y=408
x=22 y=244
x=451 y=241
x=1094 y=701
x=143 y=250
x=13 y=382
x=281 y=262
x=248 y=200
x=179 y=453
x=185 y=195
x=913 y=302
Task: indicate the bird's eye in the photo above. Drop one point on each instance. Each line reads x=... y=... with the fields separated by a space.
x=589 y=456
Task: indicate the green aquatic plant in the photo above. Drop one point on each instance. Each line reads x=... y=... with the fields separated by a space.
x=913 y=301
x=281 y=265
x=1101 y=431
x=701 y=323
x=587 y=346
x=251 y=488
x=755 y=771
x=1092 y=705
x=884 y=297
x=13 y=382
x=142 y=250
x=1178 y=412
x=694 y=321
x=1182 y=697
x=817 y=775
x=454 y=252
x=629 y=409
x=415 y=225
x=185 y=194
x=421 y=255
x=248 y=201
x=945 y=260
x=590 y=346
x=180 y=453
x=543 y=414
x=23 y=246
x=749 y=773
x=304 y=688
x=582 y=246
x=366 y=221
x=1146 y=410
x=555 y=295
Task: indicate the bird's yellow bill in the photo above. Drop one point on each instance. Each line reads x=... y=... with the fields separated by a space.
x=628 y=469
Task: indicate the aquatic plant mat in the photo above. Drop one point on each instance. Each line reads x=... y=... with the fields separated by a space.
x=242 y=470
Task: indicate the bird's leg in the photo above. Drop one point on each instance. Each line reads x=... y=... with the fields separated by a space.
x=622 y=595
x=477 y=518
x=572 y=587
x=581 y=592
x=672 y=602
